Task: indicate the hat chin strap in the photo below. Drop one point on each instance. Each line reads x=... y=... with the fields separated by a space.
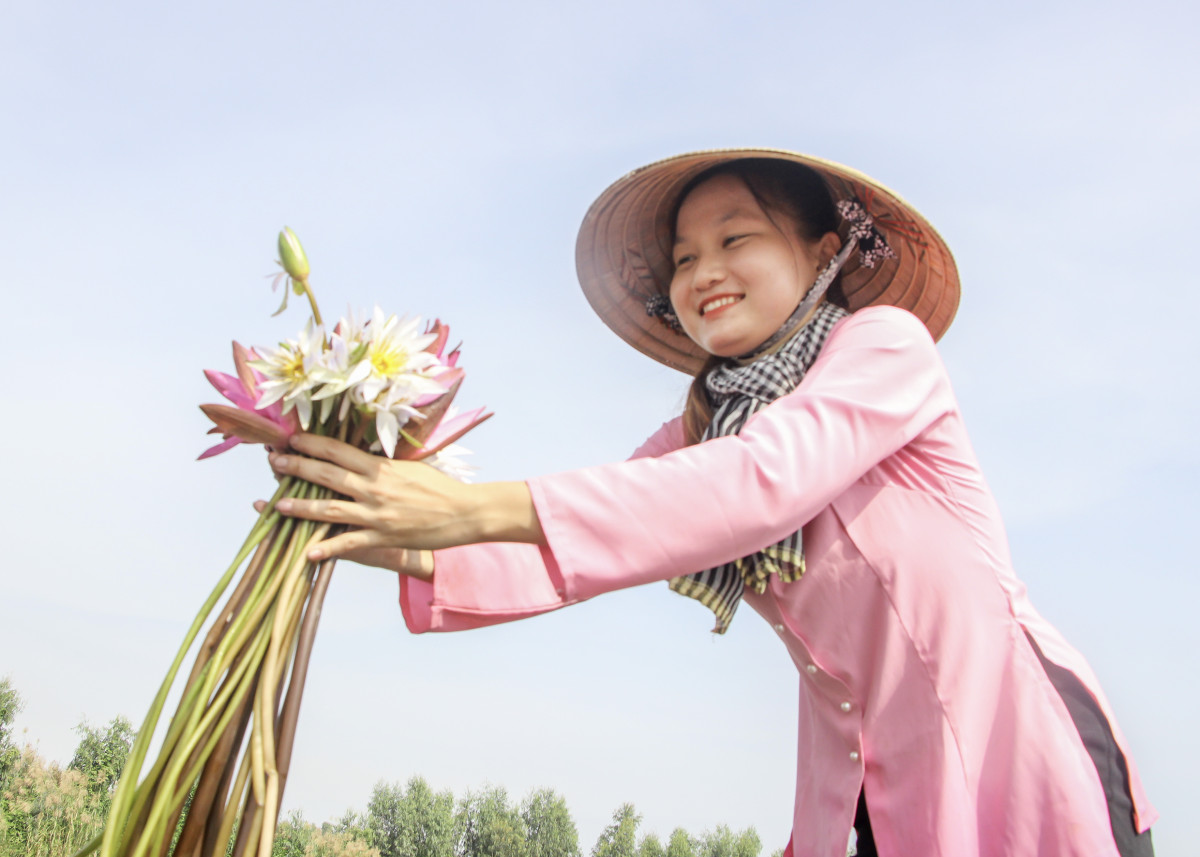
x=813 y=297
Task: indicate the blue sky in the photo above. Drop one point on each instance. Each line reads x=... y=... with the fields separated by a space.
x=437 y=160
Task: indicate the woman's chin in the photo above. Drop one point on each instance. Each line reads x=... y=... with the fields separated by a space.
x=732 y=346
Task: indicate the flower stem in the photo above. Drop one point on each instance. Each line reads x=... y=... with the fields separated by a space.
x=118 y=813
x=312 y=301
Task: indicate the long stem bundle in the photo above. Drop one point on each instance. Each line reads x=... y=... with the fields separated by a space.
x=241 y=699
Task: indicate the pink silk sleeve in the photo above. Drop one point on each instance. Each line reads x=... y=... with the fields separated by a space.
x=876 y=386
x=486 y=584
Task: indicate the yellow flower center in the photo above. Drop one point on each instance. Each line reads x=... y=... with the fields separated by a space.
x=293 y=367
x=388 y=360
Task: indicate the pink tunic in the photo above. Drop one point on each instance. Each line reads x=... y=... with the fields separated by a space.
x=909 y=630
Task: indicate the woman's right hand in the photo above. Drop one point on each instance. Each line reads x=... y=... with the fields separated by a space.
x=415 y=564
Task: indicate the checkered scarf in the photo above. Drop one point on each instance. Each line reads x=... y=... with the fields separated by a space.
x=737 y=391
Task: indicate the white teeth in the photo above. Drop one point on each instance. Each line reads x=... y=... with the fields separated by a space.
x=718 y=303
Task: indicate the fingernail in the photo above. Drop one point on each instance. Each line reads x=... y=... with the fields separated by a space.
x=279 y=461
x=316 y=554
x=284 y=506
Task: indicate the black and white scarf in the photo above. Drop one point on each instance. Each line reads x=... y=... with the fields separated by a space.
x=738 y=390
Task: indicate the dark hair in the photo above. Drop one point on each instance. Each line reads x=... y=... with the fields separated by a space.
x=800 y=195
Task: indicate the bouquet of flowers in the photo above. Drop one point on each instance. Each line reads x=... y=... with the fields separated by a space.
x=383 y=384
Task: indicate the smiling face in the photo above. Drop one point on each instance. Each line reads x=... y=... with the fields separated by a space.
x=738 y=275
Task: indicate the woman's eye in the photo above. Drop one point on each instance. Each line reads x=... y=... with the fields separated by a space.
x=732 y=239
x=683 y=260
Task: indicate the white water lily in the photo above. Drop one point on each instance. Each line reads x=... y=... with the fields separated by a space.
x=342 y=367
x=395 y=353
x=386 y=370
x=381 y=367
x=392 y=413
x=449 y=460
x=288 y=372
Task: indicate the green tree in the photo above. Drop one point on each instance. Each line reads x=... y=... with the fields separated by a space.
x=293 y=836
x=101 y=756
x=10 y=705
x=326 y=843
x=549 y=829
x=410 y=822
x=680 y=844
x=486 y=825
x=48 y=811
x=352 y=824
x=723 y=842
x=651 y=847
x=617 y=840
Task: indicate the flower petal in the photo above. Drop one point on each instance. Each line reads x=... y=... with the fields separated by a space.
x=442 y=332
x=388 y=429
x=229 y=387
x=241 y=359
x=432 y=414
x=445 y=437
x=247 y=425
x=228 y=443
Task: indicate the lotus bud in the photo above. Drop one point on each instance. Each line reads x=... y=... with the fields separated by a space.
x=291 y=255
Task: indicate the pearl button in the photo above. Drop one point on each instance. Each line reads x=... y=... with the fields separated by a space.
x=779 y=629
x=845 y=706
x=811 y=669
x=853 y=755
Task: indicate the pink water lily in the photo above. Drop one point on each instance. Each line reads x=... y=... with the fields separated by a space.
x=437 y=348
x=450 y=429
x=439 y=428
x=245 y=423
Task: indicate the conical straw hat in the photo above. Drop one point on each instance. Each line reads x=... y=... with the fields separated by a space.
x=623 y=253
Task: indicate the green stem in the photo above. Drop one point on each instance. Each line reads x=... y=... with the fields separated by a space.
x=187 y=713
x=114 y=829
x=239 y=680
x=312 y=301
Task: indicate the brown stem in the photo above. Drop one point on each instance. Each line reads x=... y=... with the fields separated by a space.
x=291 y=706
x=153 y=779
x=250 y=829
x=236 y=599
x=230 y=705
x=232 y=812
x=214 y=781
x=216 y=812
x=251 y=824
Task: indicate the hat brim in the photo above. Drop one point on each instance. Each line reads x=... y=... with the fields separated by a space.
x=623 y=252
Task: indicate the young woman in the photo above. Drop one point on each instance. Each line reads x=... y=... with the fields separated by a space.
x=821 y=473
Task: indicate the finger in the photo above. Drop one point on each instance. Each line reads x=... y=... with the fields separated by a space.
x=342 y=454
x=331 y=511
x=345 y=543
x=259 y=505
x=319 y=473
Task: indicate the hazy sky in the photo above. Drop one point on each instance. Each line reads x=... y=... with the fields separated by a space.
x=437 y=159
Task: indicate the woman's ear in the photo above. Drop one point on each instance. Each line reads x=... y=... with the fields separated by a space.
x=828 y=247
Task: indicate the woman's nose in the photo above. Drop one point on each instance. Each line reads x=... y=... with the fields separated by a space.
x=709 y=272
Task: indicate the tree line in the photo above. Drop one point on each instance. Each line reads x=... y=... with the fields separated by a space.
x=47 y=810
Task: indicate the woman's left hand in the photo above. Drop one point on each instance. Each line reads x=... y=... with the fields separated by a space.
x=400 y=504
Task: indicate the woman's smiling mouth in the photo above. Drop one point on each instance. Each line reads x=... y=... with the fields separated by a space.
x=714 y=304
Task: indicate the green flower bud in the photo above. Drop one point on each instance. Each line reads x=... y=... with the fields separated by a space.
x=291 y=255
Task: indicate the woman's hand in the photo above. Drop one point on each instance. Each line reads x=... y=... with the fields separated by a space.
x=417 y=564
x=400 y=504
